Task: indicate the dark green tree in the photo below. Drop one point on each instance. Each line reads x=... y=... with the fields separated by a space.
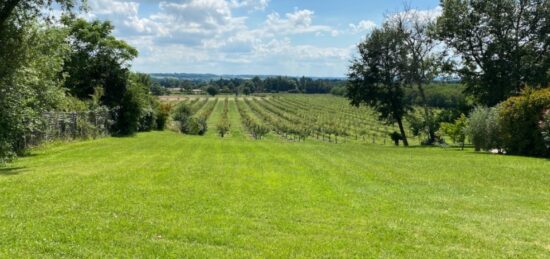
x=504 y=44
x=377 y=77
x=21 y=11
x=98 y=59
x=212 y=91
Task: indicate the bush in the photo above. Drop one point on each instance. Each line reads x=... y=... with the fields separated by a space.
x=484 y=129
x=163 y=113
x=456 y=131
x=520 y=118
x=338 y=91
x=195 y=126
x=181 y=114
x=148 y=119
x=130 y=111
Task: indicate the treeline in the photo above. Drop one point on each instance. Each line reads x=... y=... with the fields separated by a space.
x=69 y=65
x=255 y=85
x=500 y=50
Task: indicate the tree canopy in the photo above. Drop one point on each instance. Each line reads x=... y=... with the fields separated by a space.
x=377 y=76
x=503 y=44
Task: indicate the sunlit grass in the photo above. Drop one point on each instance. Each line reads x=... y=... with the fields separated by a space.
x=163 y=194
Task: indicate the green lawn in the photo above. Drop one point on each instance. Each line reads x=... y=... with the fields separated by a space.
x=163 y=194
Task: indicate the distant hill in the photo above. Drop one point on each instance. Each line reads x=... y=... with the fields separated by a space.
x=208 y=77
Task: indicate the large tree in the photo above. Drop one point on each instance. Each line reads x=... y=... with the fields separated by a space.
x=98 y=59
x=504 y=44
x=21 y=11
x=425 y=57
x=377 y=77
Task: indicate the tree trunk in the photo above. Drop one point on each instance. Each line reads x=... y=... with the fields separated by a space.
x=402 y=129
x=428 y=115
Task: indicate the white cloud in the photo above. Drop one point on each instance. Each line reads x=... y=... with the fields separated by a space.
x=206 y=36
x=362 y=26
x=250 y=4
x=297 y=22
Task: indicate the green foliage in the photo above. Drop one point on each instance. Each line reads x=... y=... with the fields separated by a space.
x=158 y=90
x=520 y=118
x=376 y=78
x=484 y=129
x=445 y=96
x=212 y=91
x=20 y=12
x=31 y=58
x=339 y=91
x=98 y=59
x=503 y=44
x=456 y=131
x=130 y=111
x=163 y=111
x=181 y=114
x=256 y=129
x=224 y=125
x=196 y=126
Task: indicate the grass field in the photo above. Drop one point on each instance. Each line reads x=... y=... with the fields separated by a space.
x=163 y=194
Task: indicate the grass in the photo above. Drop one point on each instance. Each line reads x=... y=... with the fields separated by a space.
x=162 y=194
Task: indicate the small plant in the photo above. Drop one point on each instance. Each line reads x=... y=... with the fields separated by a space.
x=223 y=124
x=456 y=131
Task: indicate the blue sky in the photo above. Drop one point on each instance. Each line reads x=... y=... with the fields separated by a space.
x=270 y=37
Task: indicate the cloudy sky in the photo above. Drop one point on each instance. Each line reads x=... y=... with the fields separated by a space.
x=269 y=37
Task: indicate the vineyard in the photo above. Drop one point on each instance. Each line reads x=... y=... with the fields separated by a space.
x=296 y=118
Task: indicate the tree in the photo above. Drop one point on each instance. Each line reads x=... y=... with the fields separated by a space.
x=21 y=11
x=212 y=91
x=425 y=59
x=97 y=58
x=484 y=128
x=31 y=59
x=376 y=78
x=504 y=44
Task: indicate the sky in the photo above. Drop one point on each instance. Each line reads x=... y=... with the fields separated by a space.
x=314 y=38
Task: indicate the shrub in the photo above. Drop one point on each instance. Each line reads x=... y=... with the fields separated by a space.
x=195 y=126
x=456 y=131
x=130 y=111
x=163 y=113
x=223 y=127
x=520 y=117
x=484 y=129
x=148 y=119
x=181 y=114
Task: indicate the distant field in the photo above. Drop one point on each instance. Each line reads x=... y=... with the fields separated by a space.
x=296 y=117
x=163 y=194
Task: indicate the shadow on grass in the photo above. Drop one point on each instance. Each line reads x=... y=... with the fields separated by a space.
x=8 y=171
